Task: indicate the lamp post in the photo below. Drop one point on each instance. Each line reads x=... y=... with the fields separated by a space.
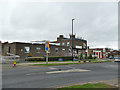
x=72 y=38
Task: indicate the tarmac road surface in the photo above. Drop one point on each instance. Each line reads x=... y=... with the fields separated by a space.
x=56 y=76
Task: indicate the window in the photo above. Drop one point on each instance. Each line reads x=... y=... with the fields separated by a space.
x=84 y=45
x=69 y=50
x=68 y=43
x=63 y=49
x=27 y=49
x=56 y=49
x=9 y=50
x=63 y=44
x=79 y=47
x=74 y=51
x=38 y=49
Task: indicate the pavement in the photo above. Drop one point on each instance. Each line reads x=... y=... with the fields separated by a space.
x=25 y=76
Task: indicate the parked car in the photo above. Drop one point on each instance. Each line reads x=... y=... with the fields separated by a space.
x=117 y=59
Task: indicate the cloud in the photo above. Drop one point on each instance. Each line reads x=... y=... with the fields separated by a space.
x=96 y=22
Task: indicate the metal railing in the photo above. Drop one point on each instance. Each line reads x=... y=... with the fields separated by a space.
x=9 y=59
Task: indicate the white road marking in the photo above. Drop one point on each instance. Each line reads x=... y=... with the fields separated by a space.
x=52 y=68
x=28 y=74
x=70 y=67
x=31 y=74
x=71 y=70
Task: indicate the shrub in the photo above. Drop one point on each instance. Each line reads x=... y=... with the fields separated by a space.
x=81 y=56
x=90 y=56
x=85 y=55
x=55 y=58
x=50 y=58
x=35 y=59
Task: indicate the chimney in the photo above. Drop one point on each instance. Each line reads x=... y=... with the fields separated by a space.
x=60 y=37
x=72 y=36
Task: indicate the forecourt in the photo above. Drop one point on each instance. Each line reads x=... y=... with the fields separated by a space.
x=55 y=76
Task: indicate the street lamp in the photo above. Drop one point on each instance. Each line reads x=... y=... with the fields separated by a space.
x=72 y=38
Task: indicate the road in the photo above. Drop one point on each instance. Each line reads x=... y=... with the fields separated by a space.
x=55 y=76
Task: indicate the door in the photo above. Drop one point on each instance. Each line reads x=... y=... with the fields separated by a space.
x=99 y=55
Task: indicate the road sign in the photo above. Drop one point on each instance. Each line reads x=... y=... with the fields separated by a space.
x=47 y=50
x=47 y=46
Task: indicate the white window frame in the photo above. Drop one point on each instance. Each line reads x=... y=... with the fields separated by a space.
x=63 y=49
x=37 y=49
x=68 y=43
x=84 y=45
x=56 y=49
x=27 y=48
x=69 y=50
x=63 y=44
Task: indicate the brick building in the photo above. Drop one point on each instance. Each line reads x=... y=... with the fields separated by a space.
x=36 y=50
x=0 y=48
x=102 y=52
x=61 y=47
x=79 y=45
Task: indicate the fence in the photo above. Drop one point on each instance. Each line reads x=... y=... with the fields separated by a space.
x=9 y=59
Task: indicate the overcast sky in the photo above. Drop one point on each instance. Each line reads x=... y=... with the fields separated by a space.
x=27 y=21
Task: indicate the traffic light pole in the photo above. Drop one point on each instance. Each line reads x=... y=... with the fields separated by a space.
x=47 y=57
x=47 y=50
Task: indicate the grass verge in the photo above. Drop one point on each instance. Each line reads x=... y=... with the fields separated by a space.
x=95 y=61
x=89 y=85
x=52 y=61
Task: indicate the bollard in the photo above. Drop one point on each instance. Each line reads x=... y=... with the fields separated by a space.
x=84 y=61
x=59 y=69
x=14 y=65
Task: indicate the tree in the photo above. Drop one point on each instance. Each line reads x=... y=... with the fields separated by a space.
x=85 y=55
x=108 y=55
x=90 y=57
x=81 y=56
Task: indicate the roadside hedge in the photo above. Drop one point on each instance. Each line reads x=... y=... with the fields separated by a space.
x=34 y=59
x=50 y=58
